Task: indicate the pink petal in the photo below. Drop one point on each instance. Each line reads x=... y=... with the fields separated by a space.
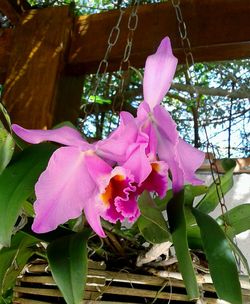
x=159 y=72
x=191 y=159
x=138 y=163
x=128 y=207
x=63 y=190
x=143 y=111
x=157 y=181
x=166 y=124
x=64 y=135
x=115 y=147
x=118 y=191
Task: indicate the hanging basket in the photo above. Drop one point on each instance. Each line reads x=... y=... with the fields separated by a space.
x=36 y=286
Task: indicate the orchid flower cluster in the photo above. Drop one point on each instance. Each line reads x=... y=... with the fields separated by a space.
x=104 y=179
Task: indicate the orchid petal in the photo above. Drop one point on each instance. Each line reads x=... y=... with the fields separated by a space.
x=64 y=135
x=157 y=181
x=119 y=189
x=191 y=159
x=159 y=72
x=115 y=147
x=63 y=190
x=138 y=163
x=128 y=207
x=143 y=111
x=166 y=124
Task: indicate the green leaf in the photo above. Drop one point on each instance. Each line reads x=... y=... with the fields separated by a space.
x=177 y=223
x=151 y=223
x=162 y=203
x=240 y=255
x=100 y=100
x=68 y=262
x=237 y=218
x=5 y=114
x=6 y=147
x=14 y=258
x=221 y=261
x=48 y=237
x=17 y=184
x=211 y=200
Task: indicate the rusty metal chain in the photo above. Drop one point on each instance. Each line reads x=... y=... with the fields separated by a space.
x=125 y=63
x=192 y=79
x=103 y=65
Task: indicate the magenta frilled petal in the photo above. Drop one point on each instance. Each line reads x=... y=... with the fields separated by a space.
x=191 y=159
x=157 y=181
x=117 y=194
x=159 y=72
x=64 y=135
x=64 y=190
x=128 y=207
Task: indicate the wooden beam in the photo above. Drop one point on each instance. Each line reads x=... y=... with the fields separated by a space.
x=33 y=83
x=5 y=49
x=8 y=10
x=217 y=29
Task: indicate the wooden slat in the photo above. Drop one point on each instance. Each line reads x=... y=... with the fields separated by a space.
x=8 y=10
x=5 y=49
x=49 y=292
x=35 y=88
x=28 y=301
x=217 y=29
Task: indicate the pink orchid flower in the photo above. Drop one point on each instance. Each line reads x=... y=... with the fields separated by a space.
x=139 y=155
x=183 y=160
x=77 y=179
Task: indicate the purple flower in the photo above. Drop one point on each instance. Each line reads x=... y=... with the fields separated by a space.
x=77 y=179
x=182 y=159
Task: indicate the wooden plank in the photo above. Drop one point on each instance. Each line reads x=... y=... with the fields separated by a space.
x=33 y=84
x=5 y=49
x=8 y=10
x=217 y=29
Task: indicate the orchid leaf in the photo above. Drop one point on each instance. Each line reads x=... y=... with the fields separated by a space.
x=222 y=264
x=151 y=223
x=211 y=200
x=14 y=258
x=240 y=255
x=237 y=218
x=6 y=115
x=162 y=203
x=6 y=147
x=69 y=263
x=17 y=184
x=48 y=237
x=177 y=223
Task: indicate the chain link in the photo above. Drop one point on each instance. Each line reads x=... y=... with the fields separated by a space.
x=103 y=65
x=125 y=63
x=192 y=79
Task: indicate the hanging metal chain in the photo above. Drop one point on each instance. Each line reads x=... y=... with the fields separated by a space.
x=125 y=63
x=192 y=79
x=103 y=65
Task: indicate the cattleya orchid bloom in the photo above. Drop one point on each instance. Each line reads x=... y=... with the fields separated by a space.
x=183 y=160
x=104 y=179
x=155 y=122
x=153 y=132
x=77 y=179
